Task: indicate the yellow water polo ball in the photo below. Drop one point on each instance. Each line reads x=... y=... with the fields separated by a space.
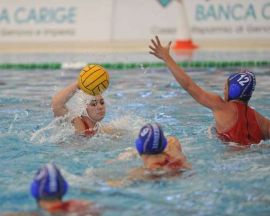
x=93 y=79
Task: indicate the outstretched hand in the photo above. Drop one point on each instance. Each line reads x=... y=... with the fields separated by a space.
x=161 y=52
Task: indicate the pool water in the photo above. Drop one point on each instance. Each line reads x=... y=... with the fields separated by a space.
x=223 y=180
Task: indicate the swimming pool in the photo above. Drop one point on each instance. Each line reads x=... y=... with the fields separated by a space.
x=223 y=181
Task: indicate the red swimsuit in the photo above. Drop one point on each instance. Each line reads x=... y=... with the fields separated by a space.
x=89 y=132
x=246 y=130
x=71 y=206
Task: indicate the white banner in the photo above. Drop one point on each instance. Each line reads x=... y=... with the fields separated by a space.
x=92 y=20
x=142 y=19
x=132 y=20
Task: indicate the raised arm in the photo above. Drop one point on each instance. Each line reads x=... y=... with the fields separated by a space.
x=61 y=98
x=210 y=100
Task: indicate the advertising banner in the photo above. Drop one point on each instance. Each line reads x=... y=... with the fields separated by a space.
x=230 y=19
x=129 y=20
x=55 y=20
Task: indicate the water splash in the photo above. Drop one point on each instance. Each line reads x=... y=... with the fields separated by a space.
x=56 y=131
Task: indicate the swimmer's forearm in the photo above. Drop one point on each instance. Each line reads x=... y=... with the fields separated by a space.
x=179 y=74
x=62 y=97
x=204 y=98
x=65 y=94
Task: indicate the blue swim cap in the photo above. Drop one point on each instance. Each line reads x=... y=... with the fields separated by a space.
x=241 y=85
x=48 y=183
x=151 y=140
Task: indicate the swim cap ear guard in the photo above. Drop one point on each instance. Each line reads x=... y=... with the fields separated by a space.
x=151 y=140
x=241 y=86
x=48 y=183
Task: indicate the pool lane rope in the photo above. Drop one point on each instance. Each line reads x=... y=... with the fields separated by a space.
x=124 y=66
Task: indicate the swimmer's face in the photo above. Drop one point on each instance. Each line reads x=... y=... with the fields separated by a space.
x=96 y=109
x=226 y=91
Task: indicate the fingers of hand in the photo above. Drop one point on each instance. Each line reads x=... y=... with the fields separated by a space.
x=158 y=41
x=154 y=43
x=152 y=48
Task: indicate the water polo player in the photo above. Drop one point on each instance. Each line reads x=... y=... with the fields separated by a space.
x=158 y=151
x=161 y=156
x=90 y=105
x=235 y=120
x=49 y=187
x=91 y=109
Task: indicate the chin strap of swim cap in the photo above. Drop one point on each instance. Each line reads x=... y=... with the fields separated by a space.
x=241 y=86
x=87 y=99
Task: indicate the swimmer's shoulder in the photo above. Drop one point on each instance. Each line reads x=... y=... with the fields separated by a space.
x=173 y=140
x=79 y=125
